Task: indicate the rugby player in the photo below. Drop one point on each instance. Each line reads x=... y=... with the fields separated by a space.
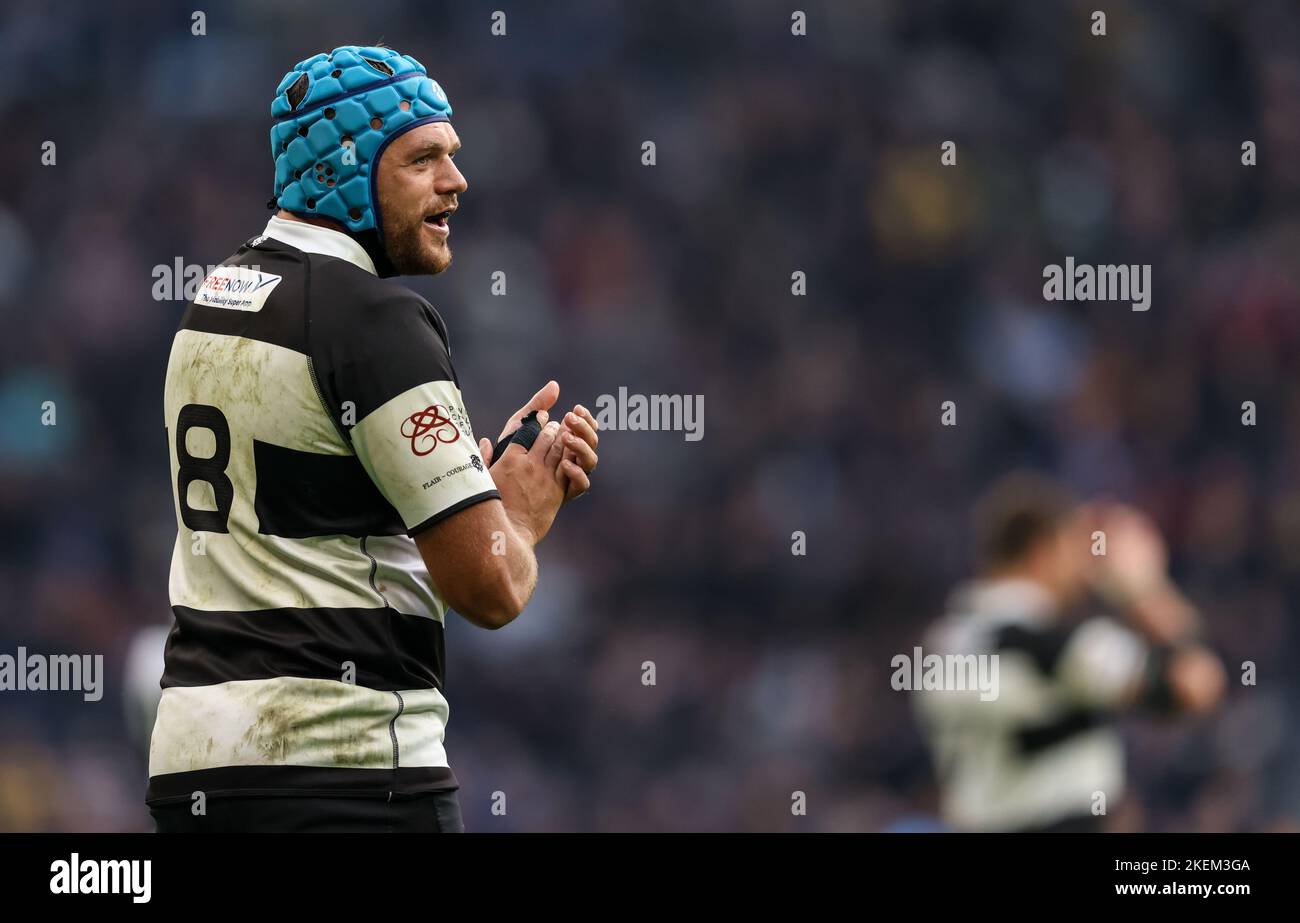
x=332 y=503
x=1045 y=754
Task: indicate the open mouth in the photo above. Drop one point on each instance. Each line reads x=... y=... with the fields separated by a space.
x=440 y=219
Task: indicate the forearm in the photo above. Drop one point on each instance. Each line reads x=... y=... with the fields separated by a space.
x=1163 y=613
x=521 y=561
x=530 y=497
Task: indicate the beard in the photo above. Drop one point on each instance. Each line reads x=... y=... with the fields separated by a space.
x=407 y=245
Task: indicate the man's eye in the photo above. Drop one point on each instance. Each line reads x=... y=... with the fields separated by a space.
x=423 y=159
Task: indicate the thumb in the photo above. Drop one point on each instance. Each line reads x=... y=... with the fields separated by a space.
x=544 y=399
x=485 y=449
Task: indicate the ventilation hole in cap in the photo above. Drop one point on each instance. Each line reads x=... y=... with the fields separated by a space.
x=311 y=203
x=354 y=214
x=319 y=167
x=329 y=113
x=379 y=66
x=297 y=174
x=376 y=123
x=404 y=105
x=329 y=182
x=336 y=74
x=345 y=141
x=302 y=132
x=329 y=171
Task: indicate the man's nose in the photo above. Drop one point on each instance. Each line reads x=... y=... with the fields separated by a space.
x=452 y=179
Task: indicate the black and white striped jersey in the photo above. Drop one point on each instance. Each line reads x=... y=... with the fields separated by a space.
x=315 y=424
x=1040 y=751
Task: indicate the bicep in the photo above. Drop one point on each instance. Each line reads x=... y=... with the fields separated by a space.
x=391 y=383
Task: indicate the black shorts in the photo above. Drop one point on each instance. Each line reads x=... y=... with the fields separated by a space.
x=432 y=812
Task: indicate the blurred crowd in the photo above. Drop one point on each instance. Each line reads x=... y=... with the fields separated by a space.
x=775 y=153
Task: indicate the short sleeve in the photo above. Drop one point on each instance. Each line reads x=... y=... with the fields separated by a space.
x=389 y=382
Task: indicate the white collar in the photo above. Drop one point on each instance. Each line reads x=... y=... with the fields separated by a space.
x=311 y=238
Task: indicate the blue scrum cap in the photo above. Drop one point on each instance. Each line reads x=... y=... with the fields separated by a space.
x=334 y=115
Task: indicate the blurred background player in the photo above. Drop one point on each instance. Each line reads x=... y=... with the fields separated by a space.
x=1036 y=755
